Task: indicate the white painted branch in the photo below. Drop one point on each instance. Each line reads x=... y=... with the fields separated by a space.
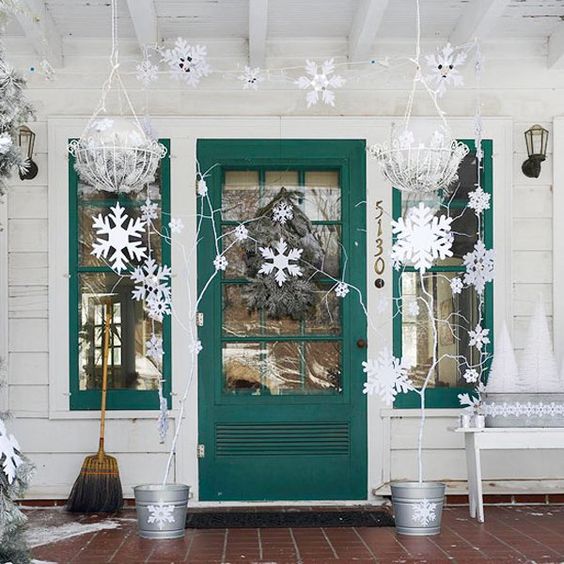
x=365 y=27
x=258 y=26
x=144 y=17
x=477 y=19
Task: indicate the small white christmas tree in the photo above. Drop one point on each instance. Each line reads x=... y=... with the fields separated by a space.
x=503 y=372
x=538 y=371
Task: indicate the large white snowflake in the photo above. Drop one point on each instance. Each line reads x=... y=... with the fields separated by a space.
x=478 y=337
x=124 y=238
x=479 y=266
x=422 y=237
x=387 y=376
x=282 y=212
x=424 y=512
x=160 y=514
x=251 y=77
x=187 y=62
x=321 y=80
x=280 y=261
x=9 y=453
x=443 y=66
x=479 y=200
x=152 y=284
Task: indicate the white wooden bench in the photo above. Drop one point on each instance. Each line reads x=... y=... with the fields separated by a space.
x=498 y=439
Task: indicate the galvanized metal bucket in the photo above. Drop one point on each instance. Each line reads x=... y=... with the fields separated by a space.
x=418 y=507
x=161 y=510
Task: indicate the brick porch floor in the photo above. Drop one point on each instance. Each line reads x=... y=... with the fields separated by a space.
x=510 y=534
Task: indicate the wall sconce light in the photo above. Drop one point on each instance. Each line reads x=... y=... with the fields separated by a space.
x=536 y=139
x=26 y=141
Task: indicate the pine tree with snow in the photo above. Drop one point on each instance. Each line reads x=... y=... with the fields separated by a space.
x=504 y=372
x=538 y=371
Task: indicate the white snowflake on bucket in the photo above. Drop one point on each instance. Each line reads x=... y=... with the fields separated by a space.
x=187 y=62
x=422 y=237
x=124 y=238
x=387 y=376
x=321 y=80
x=279 y=262
x=424 y=512
x=479 y=266
x=160 y=514
x=443 y=67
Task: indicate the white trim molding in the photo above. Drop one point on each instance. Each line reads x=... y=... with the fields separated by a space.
x=4 y=307
x=558 y=237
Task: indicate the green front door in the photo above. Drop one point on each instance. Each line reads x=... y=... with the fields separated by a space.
x=281 y=410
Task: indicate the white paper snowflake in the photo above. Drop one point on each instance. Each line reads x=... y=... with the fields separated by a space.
x=471 y=375
x=146 y=73
x=444 y=68
x=121 y=245
x=479 y=200
x=9 y=453
x=160 y=514
x=280 y=261
x=251 y=78
x=479 y=266
x=202 y=188
x=424 y=512
x=387 y=376
x=152 y=284
x=220 y=262
x=196 y=347
x=421 y=238
x=155 y=348
x=321 y=81
x=413 y=309
x=149 y=210
x=187 y=62
x=478 y=337
x=176 y=225
x=282 y=213
x=341 y=289
x=456 y=285
x=241 y=232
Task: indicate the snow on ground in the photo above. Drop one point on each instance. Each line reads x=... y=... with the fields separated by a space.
x=39 y=536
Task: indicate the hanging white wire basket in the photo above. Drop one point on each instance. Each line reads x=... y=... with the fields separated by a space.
x=420 y=168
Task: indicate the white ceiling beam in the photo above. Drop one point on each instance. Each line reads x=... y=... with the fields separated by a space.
x=258 y=26
x=145 y=23
x=365 y=26
x=556 y=49
x=40 y=30
x=476 y=20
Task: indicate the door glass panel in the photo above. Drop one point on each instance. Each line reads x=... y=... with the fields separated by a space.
x=323 y=366
x=240 y=199
x=322 y=195
x=325 y=317
x=329 y=237
x=238 y=320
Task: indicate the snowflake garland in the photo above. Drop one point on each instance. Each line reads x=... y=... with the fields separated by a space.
x=120 y=247
x=152 y=284
x=456 y=285
x=146 y=73
x=160 y=514
x=341 y=289
x=9 y=453
x=149 y=211
x=424 y=512
x=279 y=262
x=251 y=78
x=479 y=200
x=387 y=376
x=413 y=309
x=422 y=237
x=155 y=348
x=282 y=213
x=202 y=188
x=187 y=62
x=241 y=233
x=321 y=81
x=528 y=409
x=176 y=225
x=471 y=375
x=479 y=266
x=443 y=67
x=220 y=262
x=478 y=337
x=196 y=347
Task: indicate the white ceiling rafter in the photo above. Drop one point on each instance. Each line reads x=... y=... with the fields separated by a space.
x=477 y=19
x=144 y=18
x=364 y=29
x=258 y=27
x=556 y=49
x=40 y=30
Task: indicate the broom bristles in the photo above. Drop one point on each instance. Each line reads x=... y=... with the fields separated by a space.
x=98 y=487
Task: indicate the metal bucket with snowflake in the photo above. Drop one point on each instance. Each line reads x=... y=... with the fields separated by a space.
x=418 y=507
x=161 y=510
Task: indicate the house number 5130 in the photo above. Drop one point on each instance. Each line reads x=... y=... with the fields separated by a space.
x=379 y=262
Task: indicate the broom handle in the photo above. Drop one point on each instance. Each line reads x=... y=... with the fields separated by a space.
x=105 y=358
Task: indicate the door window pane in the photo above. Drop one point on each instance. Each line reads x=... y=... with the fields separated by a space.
x=322 y=195
x=241 y=194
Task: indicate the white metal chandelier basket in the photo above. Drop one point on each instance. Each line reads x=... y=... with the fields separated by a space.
x=116 y=154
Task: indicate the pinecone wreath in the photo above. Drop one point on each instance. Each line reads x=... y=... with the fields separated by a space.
x=282 y=259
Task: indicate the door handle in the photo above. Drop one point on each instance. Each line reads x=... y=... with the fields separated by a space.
x=361 y=344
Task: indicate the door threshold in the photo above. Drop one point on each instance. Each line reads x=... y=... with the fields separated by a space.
x=291 y=505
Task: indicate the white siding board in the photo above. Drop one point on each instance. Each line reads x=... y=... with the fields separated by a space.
x=28 y=335
x=28 y=302
x=533 y=267
x=28 y=202
x=525 y=298
x=28 y=369
x=31 y=401
x=27 y=269
x=532 y=201
x=27 y=235
x=532 y=234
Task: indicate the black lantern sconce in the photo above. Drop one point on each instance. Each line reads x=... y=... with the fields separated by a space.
x=26 y=141
x=536 y=139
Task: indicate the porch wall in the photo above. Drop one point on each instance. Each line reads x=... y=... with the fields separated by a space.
x=524 y=91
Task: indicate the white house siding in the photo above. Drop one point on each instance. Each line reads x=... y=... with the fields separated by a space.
x=515 y=85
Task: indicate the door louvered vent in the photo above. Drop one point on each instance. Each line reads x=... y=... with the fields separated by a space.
x=239 y=439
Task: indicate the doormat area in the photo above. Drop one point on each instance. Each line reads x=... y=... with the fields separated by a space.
x=288 y=519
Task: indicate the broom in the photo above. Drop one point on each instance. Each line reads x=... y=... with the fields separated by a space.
x=98 y=487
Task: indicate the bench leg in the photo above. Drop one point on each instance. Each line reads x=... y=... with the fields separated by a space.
x=471 y=471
